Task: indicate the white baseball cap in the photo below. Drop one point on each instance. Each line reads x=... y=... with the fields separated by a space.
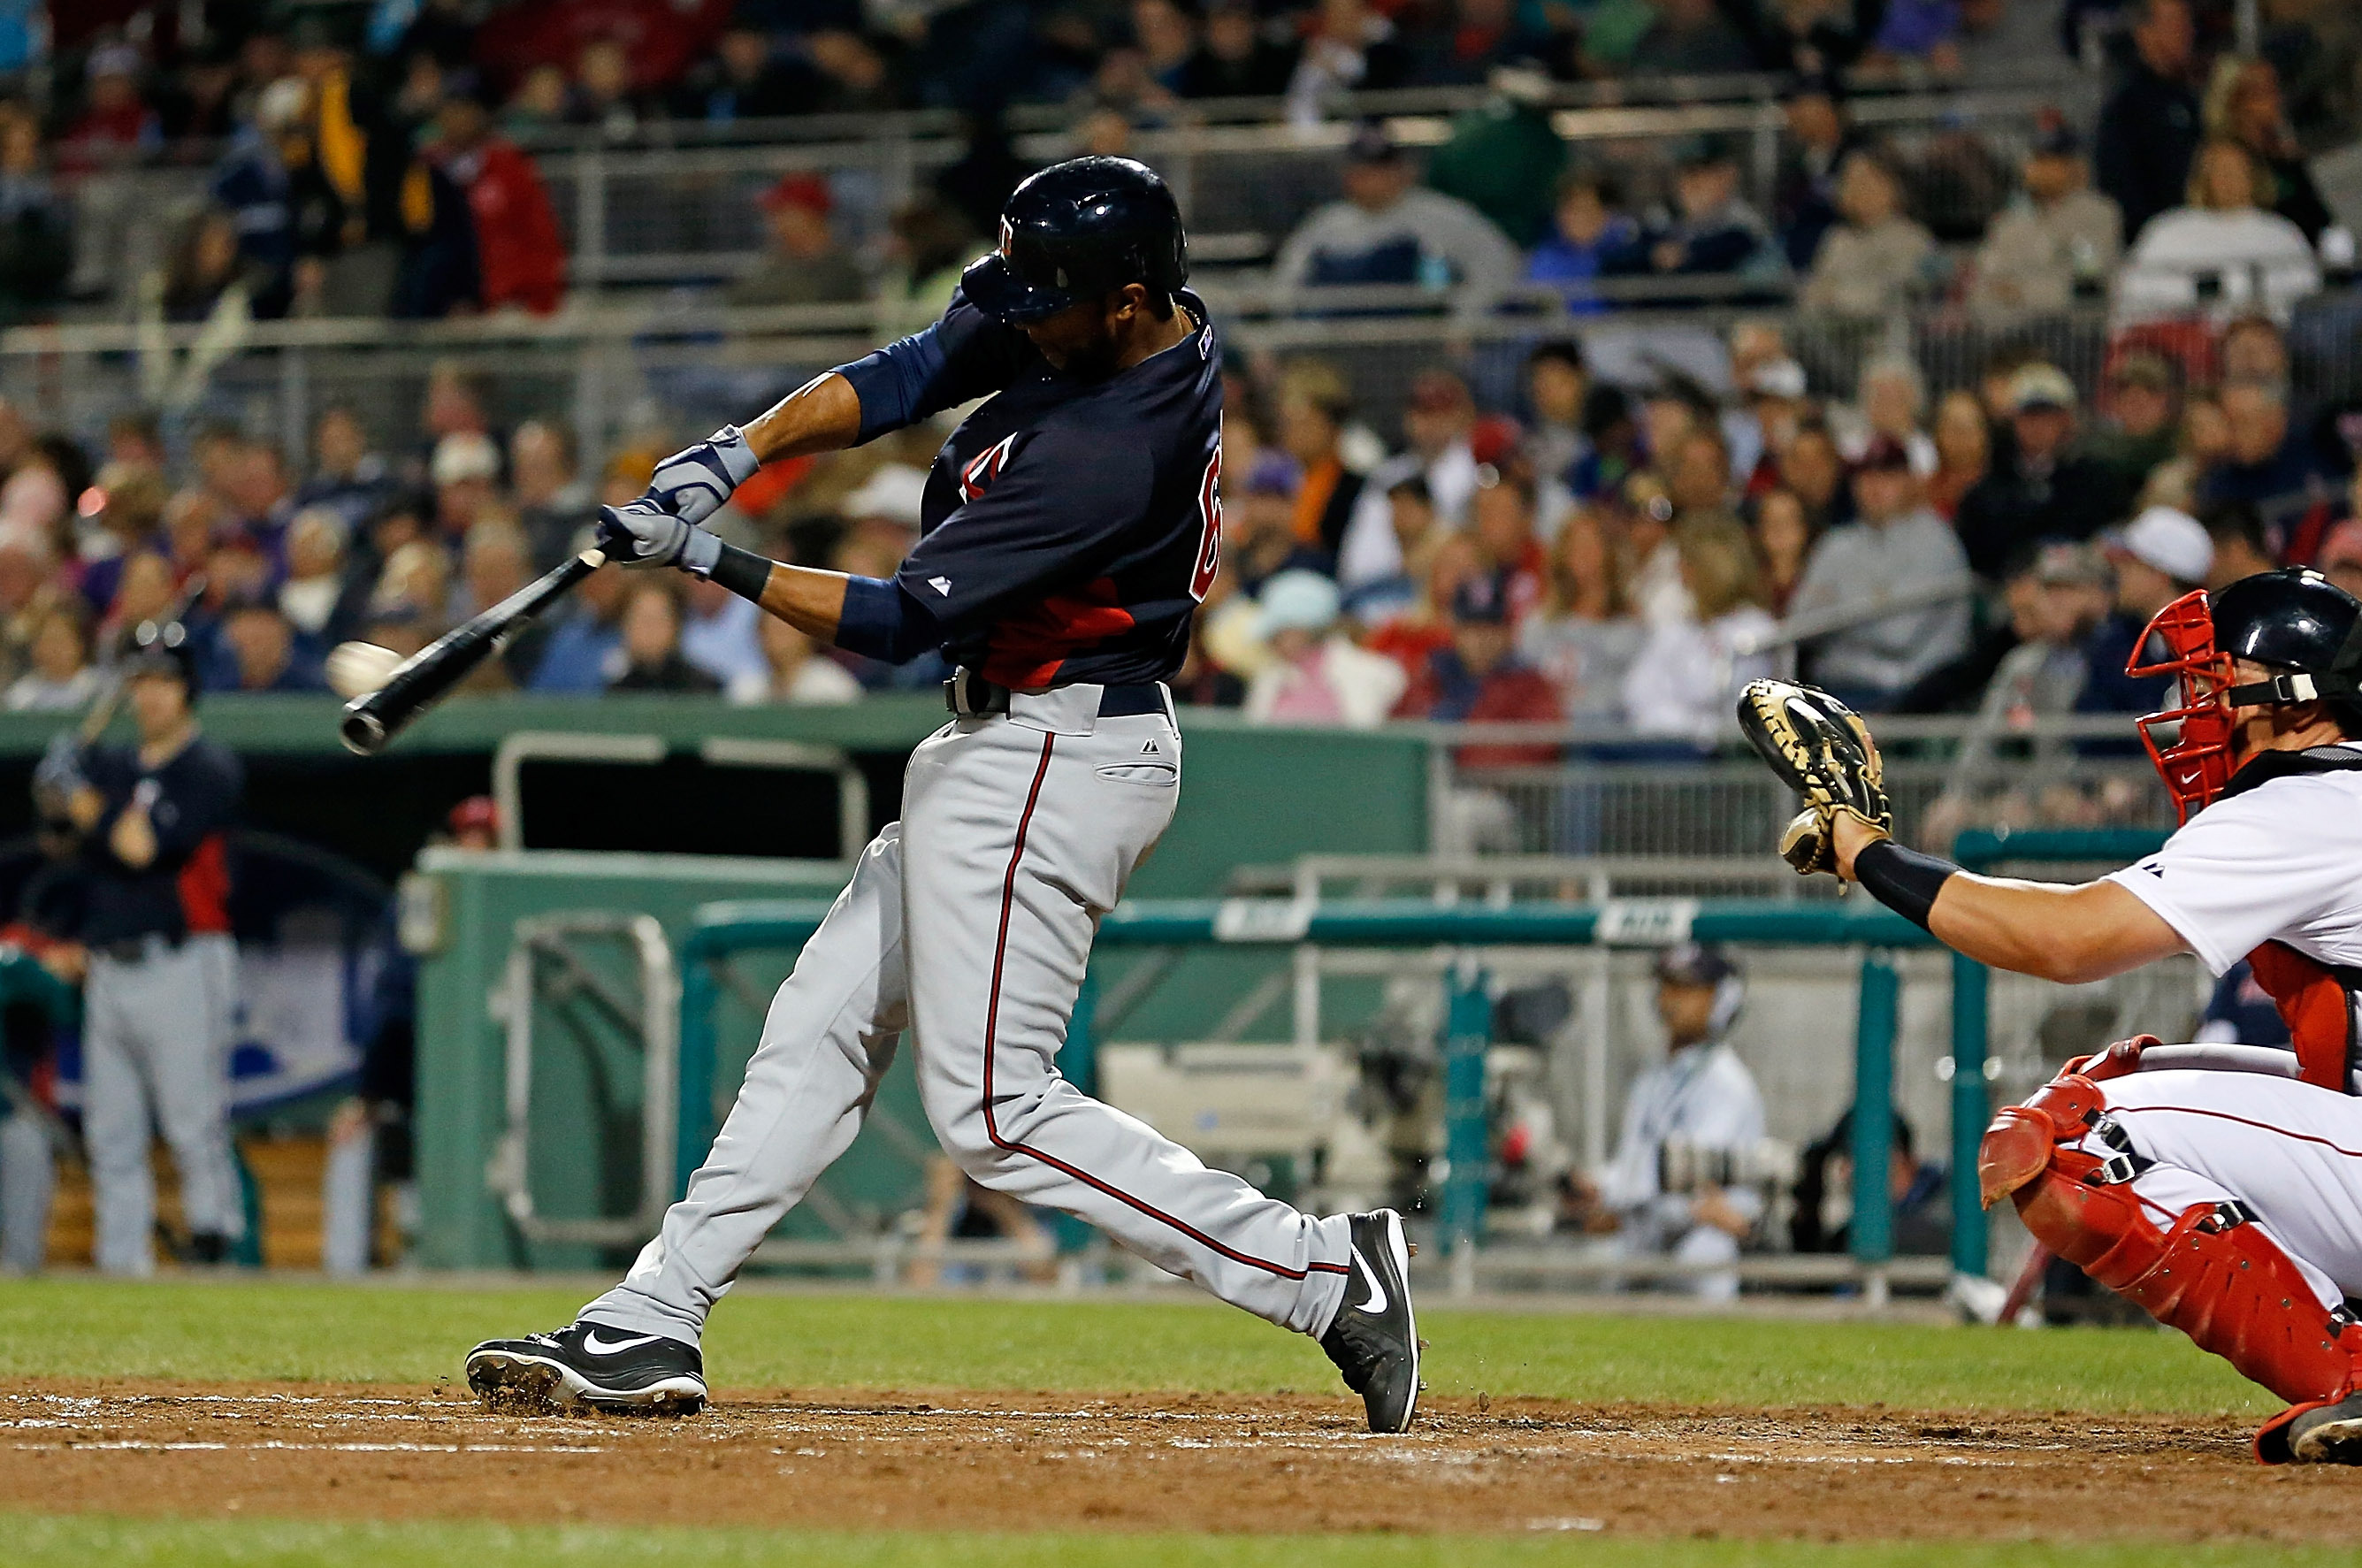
x=894 y=492
x=464 y=455
x=2172 y=541
x=1304 y=600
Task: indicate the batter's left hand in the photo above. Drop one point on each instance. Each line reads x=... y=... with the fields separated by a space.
x=693 y=484
x=642 y=534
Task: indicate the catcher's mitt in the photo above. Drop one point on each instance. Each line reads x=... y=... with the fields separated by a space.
x=1821 y=749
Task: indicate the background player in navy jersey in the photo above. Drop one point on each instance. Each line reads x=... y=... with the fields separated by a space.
x=1071 y=526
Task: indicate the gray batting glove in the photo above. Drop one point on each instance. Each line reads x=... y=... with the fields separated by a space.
x=693 y=484
x=642 y=534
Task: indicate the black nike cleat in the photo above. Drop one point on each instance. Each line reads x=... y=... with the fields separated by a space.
x=1374 y=1341
x=590 y=1364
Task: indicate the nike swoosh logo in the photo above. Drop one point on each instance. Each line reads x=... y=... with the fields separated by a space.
x=1377 y=1302
x=591 y=1342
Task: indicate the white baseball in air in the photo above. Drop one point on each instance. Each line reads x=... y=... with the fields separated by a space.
x=356 y=670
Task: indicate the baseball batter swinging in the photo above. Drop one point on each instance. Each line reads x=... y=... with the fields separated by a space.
x=1071 y=526
x=2217 y=1187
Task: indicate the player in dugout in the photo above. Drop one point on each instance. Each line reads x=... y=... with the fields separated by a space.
x=2218 y=1186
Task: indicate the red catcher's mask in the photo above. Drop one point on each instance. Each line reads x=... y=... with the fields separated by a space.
x=2196 y=761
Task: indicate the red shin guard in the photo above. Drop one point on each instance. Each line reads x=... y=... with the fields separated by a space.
x=2210 y=1273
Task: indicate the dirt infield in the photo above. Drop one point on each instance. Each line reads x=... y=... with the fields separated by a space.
x=1020 y=1462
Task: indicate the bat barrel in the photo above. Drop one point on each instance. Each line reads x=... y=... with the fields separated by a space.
x=362 y=731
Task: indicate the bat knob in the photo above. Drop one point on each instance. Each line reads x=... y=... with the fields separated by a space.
x=363 y=733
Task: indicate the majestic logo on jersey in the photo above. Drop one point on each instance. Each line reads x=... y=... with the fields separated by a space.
x=985 y=467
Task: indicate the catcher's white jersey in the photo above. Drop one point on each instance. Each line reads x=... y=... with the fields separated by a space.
x=2281 y=860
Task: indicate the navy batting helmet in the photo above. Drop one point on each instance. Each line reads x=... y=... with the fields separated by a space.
x=1076 y=231
x=2305 y=627
x=163 y=647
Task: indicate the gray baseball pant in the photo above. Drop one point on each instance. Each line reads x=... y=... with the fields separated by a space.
x=28 y=1176
x=154 y=1044
x=970 y=922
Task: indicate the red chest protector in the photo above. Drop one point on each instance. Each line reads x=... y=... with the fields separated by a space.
x=2314 y=999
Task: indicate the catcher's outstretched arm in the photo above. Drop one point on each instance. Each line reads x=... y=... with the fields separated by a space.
x=2071 y=934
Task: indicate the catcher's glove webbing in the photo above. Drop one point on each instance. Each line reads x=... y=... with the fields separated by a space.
x=1821 y=749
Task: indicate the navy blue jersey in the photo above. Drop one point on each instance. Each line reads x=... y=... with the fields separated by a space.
x=1070 y=526
x=190 y=798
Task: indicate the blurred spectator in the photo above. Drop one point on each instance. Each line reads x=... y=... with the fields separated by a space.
x=1588 y=239
x=605 y=99
x=2149 y=125
x=2243 y=103
x=1349 y=47
x=795 y=670
x=1314 y=403
x=2033 y=663
x=927 y=246
x=2242 y=548
x=720 y=634
x=1784 y=538
x=1315 y=674
x=496 y=562
x=2057 y=238
x=520 y=254
x=2219 y=256
x=1611 y=435
x=553 y=500
x=131 y=513
x=587 y=637
x=2140 y=419
x=1583 y=636
x=1878 y=258
x=261 y=645
x=1711 y=229
x=1690 y=37
x=319 y=598
x=1804 y=192
x=466 y=472
x=414 y=585
x=288 y=214
x=36 y=237
x=1773 y=391
x=1236 y=58
x=197 y=103
x=1645 y=515
x=856 y=78
x=346 y=477
x=438 y=272
x=1814 y=471
x=1897 y=549
x=2270 y=467
x=1504 y=157
x=2046 y=488
x=205 y=275
x=539 y=102
x=1894 y=396
x=2158 y=557
x=651 y=642
x=1167 y=39
x=1697 y=472
x=58 y=677
x=1380 y=603
x=1556 y=383
x=805 y=266
x=1682 y=685
x=115 y=127
x=1479 y=679
x=2341 y=555
x=1389 y=230
x=2253 y=348
x=1501 y=525
x=739 y=82
x=1436 y=427
x=1919 y=1221
x=147 y=592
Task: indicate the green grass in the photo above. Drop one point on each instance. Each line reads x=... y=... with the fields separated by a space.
x=37 y=1541
x=316 y=1332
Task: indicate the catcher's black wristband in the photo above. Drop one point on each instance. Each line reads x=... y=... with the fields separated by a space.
x=743 y=572
x=1903 y=879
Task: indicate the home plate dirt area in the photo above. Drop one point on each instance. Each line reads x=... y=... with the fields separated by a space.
x=1018 y=1462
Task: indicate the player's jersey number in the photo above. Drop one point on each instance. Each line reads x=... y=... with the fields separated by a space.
x=1209 y=520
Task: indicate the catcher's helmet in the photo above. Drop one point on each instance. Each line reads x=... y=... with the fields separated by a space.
x=163 y=648
x=1077 y=230
x=2297 y=624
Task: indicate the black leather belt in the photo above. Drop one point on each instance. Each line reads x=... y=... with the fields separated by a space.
x=132 y=949
x=970 y=695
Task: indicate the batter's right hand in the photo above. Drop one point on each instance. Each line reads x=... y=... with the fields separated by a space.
x=693 y=484
x=642 y=534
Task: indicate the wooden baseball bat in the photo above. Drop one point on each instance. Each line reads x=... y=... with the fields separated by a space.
x=421 y=680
